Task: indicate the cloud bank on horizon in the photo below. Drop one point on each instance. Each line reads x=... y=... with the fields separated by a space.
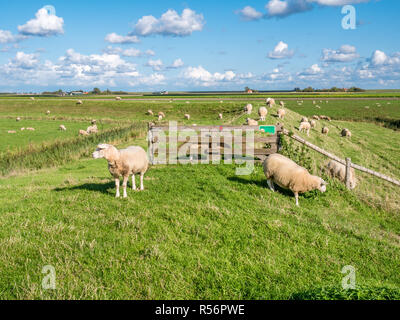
x=182 y=49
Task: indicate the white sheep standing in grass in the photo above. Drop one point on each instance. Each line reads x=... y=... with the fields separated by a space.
x=289 y=175
x=48 y=112
x=325 y=130
x=150 y=112
x=62 y=127
x=304 y=119
x=92 y=129
x=305 y=126
x=338 y=170
x=79 y=102
x=30 y=129
x=18 y=119
x=22 y=129
x=118 y=98
x=187 y=116
x=32 y=98
x=220 y=116
x=262 y=112
x=11 y=131
x=346 y=133
x=270 y=102
x=162 y=114
x=248 y=108
x=281 y=113
x=313 y=123
x=83 y=133
x=124 y=162
x=251 y=122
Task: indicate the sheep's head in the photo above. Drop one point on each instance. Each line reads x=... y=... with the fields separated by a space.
x=106 y=151
x=322 y=185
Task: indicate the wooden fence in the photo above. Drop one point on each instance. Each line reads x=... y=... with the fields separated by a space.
x=213 y=143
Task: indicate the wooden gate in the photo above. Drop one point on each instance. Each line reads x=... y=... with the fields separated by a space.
x=212 y=143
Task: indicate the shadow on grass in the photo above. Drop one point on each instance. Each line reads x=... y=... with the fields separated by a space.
x=261 y=184
x=98 y=187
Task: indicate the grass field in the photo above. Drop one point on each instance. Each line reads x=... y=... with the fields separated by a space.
x=197 y=231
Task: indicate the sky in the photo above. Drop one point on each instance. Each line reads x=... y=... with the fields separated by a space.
x=198 y=45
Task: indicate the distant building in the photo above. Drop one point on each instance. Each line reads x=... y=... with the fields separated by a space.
x=249 y=91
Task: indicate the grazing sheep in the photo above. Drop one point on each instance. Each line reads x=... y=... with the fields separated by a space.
x=338 y=170
x=18 y=119
x=304 y=119
x=313 y=123
x=314 y=102
x=32 y=98
x=322 y=117
x=248 y=108
x=149 y=112
x=160 y=117
x=220 y=116
x=125 y=162
x=346 y=133
x=281 y=113
x=187 y=102
x=305 y=126
x=281 y=103
x=48 y=112
x=325 y=130
x=315 y=117
x=289 y=175
x=118 y=98
x=30 y=129
x=62 y=127
x=83 y=133
x=161 y=114
x=262 y=112
x=187 y=116
x=93 y=122
x=79 y=102
x=22 y=129
x=270 y=102
x=251 y=122
x=92 y=129
x=12 y=131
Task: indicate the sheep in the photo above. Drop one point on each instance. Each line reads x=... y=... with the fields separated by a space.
x=160 y=117
x=83 y=133
x=48 y=112
x=125 y=162
x=313 y=123
x=30 y=129
x=79 y=102
x=62 y=127
x=248 y=108
x=12 y=131
x=32 y=98
x=221 y=101
x=251 y=122
x=325 y=130
x=92 y=129
x=220 y=116
x=304 y=119
x=18 y=119
x=187 y=116
x=149 y=112
x=346 y=133
x=322 y=117
x=281 y=113
x=161 y=114
x=187 y=102
x=118 y=98
x=262 y=112
x=338 y=170
x=282 y=104
x=305 y=126
x=270 y=102
x=22 y=129
x=289 y=175
x=314 y=102
x=93 y=122
x=315 y=117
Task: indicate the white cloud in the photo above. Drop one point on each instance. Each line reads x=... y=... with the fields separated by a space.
x=44 y=25
x=153 y=79
x=116 y=38
x=178 y=63
x=170 y=23
x=131 y=52
x=25 y=60
x=281 y=51
x=155 y=64
x=7 y=37
x=205 y=78
x=150 y=52
x=249 y=14
x=345 y=53
x=284 y=8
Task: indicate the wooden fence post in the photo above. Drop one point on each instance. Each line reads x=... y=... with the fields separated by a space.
x=151 y=149
x=348 y=168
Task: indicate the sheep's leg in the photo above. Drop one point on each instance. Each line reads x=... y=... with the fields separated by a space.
x=141 y=181
x=296 y=195
x=271 y=185
x=133 y=182
x=124 y=185
x=117 y=187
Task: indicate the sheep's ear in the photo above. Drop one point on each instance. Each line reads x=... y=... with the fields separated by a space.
x=102 y=146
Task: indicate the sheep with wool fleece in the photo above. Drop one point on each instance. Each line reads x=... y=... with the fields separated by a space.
x=281 y=113
x=124 y=162
x=289 y=175
x=338 y=170
x=305 y=126
x=248 y=108
x=262 y=112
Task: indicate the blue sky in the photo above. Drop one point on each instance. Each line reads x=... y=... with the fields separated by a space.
x=197 y=45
